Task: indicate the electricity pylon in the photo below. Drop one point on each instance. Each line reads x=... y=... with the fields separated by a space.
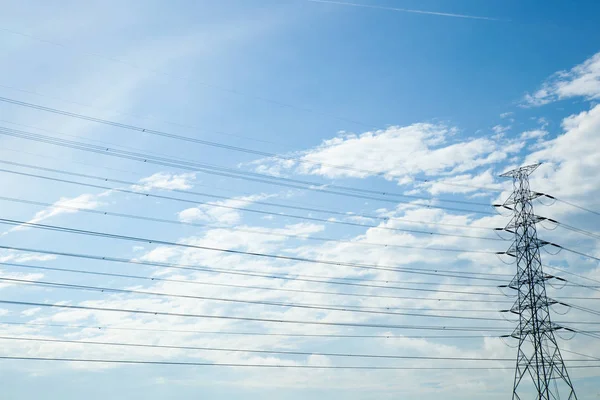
x=540 y=372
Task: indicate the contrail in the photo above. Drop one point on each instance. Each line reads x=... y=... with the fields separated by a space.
x=405 y=10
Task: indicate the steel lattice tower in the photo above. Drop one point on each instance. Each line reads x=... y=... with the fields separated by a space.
x=538 y=356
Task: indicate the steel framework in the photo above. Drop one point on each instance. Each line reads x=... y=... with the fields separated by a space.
x=538 y=357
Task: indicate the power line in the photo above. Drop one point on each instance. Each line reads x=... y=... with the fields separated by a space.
x=584 y=309
x=261 y=302
x=581 y=354
x=284 y=334
x=581 y=231
x=592 y=335
x=226 y=251
x=325 y=279
x=329 y=307
x=106 y=235
x=237 y=174
x=147 y=117
x=571 y=228
x=259 y=351
x=424 y=180
x=87 y=164
x=570 y=204
x=570 y=283
x=224 y=227
x=574 y=251
x=211 y=143
x=558 y=246
x=141 y=176
x=217 y=205
x=250 y=319
x=271 y=366
x=572 y=273
x=229 y=300
x=183 y=281
x=233 y=173
x=580 y=285
x=228 y=271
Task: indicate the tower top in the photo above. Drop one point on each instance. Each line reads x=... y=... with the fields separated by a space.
x=521 y=171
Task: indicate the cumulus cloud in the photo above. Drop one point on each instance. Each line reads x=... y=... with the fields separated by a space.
x=5 y=274
x=500 y=129
x=31 y=311
x=465 y=183
x=166 y=181
x=571 y=159
x=221 y=211
x=397 y=153
x=65 y=206
x=534 y=134
x=582 y=80
x=22 y=257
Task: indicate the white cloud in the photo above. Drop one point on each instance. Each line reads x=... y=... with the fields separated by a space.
x=219 y=211
x=506 y=114
x=166 y=181
x=534 y=134
x=31 y=311
x=64 y=206
x=571 y=161
x=353 y=252
x=464 y=183
x=20 y=257
x=582 y=80
x=500 y=129
x=398 y=153
x=16 y=275
x=160 y=254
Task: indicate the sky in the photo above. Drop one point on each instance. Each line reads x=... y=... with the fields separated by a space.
x=179 y=137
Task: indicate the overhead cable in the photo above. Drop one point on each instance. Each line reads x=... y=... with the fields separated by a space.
x=238 y=174
x=113 y=111
x=271 y=366
x=218 y=284
x=564 y=271
x=225 y=227
x=260 y=351
x=223 y=332
x=325 y=278
x=220 y=205
x=325 y=307
x=259 y=274
x=574 y=251
x=57 y=228
x=571 y=228
x=300 y=160
x=249 y=319
x=570 y=203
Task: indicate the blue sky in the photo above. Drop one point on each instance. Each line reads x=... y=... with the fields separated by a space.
x=394 y=92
